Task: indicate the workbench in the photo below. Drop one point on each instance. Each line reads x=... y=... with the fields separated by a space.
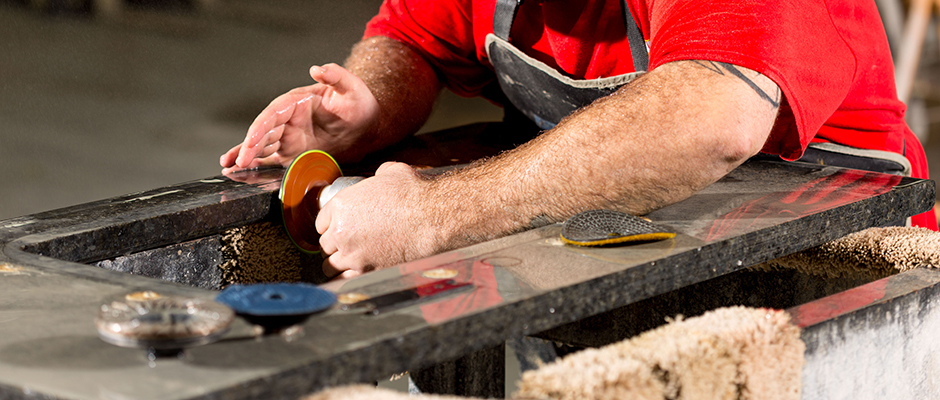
x=524 y=284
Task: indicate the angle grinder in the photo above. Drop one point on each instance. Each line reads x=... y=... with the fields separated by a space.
x=312 y=179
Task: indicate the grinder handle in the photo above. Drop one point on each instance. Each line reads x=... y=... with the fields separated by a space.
x=332 y=189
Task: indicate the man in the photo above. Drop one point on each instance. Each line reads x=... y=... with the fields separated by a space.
x=727 y=80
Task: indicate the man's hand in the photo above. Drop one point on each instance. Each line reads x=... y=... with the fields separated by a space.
x=331 y=115
x=384 y=94
x=377 y=223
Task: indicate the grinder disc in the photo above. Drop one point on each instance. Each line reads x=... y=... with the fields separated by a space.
x=276 y=305
x=605 y=227
x=309 y=173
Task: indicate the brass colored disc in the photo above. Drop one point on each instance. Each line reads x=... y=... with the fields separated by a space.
x=300 y=188
x=352 y=297
x=142 y=296
x=440 y=273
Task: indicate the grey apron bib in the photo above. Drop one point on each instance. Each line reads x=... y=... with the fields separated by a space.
x=540 y=92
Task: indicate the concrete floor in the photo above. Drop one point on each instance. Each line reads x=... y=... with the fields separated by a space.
x=92 y=108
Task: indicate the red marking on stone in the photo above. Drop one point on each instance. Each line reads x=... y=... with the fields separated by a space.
x=838 y=304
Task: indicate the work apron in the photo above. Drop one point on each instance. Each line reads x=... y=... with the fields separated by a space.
x=546 y=96
x=537 y=90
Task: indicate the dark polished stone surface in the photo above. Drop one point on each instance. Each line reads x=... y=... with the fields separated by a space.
x=481 y=374
x=523 y=284
x=194 y=263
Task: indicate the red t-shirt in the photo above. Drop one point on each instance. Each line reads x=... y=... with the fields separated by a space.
x=830 y=59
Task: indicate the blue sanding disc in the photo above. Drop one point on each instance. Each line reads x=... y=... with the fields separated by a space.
x=276 y=299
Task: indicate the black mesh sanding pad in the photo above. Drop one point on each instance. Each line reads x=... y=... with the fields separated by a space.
x=605 y=227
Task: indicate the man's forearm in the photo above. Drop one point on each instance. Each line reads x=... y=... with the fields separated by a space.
x=403 y=83
x=653 y=143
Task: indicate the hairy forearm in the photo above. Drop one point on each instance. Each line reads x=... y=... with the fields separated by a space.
x=403 y=83
x=652 y=143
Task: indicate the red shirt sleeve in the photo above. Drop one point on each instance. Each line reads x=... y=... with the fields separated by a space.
x=830 y=59
x=442 y=32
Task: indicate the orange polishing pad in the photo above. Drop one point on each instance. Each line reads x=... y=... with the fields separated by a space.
x=300 y=189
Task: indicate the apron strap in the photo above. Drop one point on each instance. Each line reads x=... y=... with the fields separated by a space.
x=837 y=155
x=504 y=15
x=506 y=10
x=641 y=59
x=850 y=157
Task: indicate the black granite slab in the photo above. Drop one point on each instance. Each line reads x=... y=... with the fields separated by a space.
x=523 y=284
x=194 y=263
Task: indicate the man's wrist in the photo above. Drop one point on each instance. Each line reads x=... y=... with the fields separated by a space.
x=464 y=210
